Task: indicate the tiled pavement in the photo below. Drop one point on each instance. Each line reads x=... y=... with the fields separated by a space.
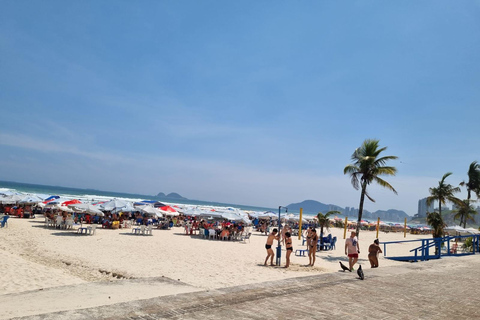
x=437 y=289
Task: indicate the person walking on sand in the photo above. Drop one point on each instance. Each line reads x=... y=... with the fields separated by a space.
x=288 y=243
x=312 y=248
x=373 y=252
x=270 y=254
x=352 y=249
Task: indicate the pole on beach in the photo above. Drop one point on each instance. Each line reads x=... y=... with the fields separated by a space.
x=345 y=228
x=300 y=225
x=279 y=246
x=378 y=226
x=405 y=229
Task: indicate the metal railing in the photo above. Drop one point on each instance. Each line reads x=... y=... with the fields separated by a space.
x=432 y=248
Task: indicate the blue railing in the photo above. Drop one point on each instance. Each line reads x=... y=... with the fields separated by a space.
x=432 y=248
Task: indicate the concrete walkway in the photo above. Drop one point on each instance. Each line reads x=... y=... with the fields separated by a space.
x=436 y=289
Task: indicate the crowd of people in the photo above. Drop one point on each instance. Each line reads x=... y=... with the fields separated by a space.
x=352 y=247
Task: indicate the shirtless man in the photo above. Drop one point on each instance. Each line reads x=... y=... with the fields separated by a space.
x=352 y=249
x=270 y=254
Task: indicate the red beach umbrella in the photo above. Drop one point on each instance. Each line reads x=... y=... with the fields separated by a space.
x=74 y=201
x=168 y=209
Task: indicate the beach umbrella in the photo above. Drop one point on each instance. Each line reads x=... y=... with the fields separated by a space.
x=168 y=209
x=193 y=212
x=12 y=199
x=114 y=205
x=149 y=210
x=69 y=202
x=87 y=208
x=32 y=199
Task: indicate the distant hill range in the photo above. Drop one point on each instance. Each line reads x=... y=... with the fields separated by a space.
x=170 y=196
x=314 y=207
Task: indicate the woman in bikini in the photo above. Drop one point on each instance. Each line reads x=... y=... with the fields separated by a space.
x=288 y=243
x=312 y=249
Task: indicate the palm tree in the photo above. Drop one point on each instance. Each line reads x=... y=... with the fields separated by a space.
x=324 y=222
x=465 y=212
x=473 y=184
x=443 y=193
x=435 y=220
x=366 y=168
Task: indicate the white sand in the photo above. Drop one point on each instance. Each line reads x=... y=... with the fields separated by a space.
x=33 y=257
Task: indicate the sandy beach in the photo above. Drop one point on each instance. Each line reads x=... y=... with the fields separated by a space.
x=61 y=270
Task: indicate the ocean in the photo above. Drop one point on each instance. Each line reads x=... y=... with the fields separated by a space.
x=93 y=194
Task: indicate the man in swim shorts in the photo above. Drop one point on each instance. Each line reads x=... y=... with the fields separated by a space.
x=270 y=254
x=352 y=249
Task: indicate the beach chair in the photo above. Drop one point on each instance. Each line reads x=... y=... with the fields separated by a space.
x=139 y=230
x=247 y=237
x=330 y=245
x=148 y=230
x=4 y=222
x=59 y=222
x=92 y=229
x=69 y=224
x=212 y=234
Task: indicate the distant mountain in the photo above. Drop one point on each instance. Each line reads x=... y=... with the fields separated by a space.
x=172 y=196
x=314 y=207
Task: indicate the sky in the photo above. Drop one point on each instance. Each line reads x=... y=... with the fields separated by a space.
x=250 y=102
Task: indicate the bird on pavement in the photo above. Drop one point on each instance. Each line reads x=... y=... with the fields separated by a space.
x=360 y=273
x=344 y=267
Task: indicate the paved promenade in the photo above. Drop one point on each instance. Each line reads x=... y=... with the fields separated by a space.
x=437 y=289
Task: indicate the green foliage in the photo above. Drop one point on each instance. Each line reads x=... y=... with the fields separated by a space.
x=443 y=193
x=435 y=220
x=465 y=212
x=468 y=244
x=367 y=166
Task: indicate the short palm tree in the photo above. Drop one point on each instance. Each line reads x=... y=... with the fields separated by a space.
x=435 y=220
x=324 y=222
x=367 y=167
x=465 y=213
x=473 y=183
x=443 y=193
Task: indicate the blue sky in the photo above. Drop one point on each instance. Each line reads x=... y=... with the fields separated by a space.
x=250 y=102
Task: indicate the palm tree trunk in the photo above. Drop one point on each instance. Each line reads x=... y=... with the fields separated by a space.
x=321 y=237
x=360 y=207
x=468 y=204
x=437 y=248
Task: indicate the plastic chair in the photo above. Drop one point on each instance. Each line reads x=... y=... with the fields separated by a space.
x=4 y=222
x=69 y=224
x=247 y=237
x=59 y=222
x=212 y=234
x=148 y=230
x=92 y=229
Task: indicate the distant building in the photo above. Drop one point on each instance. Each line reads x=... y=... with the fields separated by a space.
x=423 y=208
